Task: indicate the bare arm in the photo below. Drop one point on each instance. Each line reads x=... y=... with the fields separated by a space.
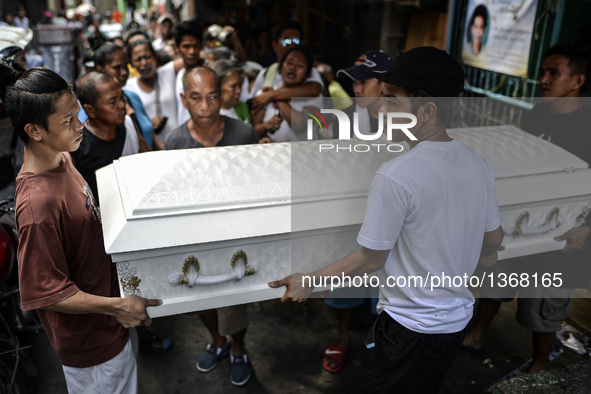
x=144 y=147
x=309 y=89
x=158 y=144
x=363 y=261
x=286 y=111
x=129 y=311
x=178 y=64
x=360 y=262
x=491 y=244
x=236 y=43
x=295 y=118
x=265 y=127
x=257 y=116
x=262 y=128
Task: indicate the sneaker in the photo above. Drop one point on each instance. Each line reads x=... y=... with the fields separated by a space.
x=212 y=356
x=241 y=370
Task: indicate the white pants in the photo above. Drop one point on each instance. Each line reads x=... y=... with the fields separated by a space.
x=116 y=376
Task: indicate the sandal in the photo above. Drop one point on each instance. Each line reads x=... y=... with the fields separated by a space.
x=156 y=343
x=337 y=354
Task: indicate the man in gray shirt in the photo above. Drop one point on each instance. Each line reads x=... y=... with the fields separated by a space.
x=206 y=128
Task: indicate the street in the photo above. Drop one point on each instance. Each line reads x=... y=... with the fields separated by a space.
x=285 y=343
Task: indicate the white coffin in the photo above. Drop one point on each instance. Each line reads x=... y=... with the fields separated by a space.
x=280 y=203
x=533 y=176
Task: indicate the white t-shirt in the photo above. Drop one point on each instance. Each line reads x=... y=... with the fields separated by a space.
x=259 y=82
x=158 y=44
x=166 y=84
x=131 y=146
x=244 y=93
x=183 y=114
x=21 y=22
x=230 y=113
x=363 y=120
x=430 y=208
x=285 y=133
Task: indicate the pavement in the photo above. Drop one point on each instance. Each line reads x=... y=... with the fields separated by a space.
x=285 y=343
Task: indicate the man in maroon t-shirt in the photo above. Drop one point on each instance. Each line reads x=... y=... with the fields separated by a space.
x=64 y=271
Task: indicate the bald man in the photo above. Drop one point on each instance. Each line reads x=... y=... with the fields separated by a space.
x=202 y=98
x=207 y=128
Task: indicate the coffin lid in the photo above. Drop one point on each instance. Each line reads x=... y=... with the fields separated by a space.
x=512 y=152
x=229 y=192
x=242 y=184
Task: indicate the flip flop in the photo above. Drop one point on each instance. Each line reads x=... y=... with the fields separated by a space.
x=337 y=354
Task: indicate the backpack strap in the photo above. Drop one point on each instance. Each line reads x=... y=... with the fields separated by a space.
x=270 y=75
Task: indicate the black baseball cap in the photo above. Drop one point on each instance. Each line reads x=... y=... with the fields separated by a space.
x=426 y=68
x=370 y=60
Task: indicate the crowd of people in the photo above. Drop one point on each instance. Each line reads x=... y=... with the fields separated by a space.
x=180 y=85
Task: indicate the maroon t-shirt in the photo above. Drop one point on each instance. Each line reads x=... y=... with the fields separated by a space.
x=61 y=252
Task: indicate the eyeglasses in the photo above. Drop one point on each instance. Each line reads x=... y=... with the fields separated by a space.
x=288 y=41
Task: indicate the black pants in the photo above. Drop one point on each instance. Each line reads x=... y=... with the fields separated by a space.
x=404 y=361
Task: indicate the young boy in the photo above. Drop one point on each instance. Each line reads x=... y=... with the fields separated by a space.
x=64 y=271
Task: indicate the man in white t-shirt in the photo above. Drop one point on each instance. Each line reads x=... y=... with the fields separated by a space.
x=21 y=19
x=188 y=43
x=268 y=85
x=430 y=212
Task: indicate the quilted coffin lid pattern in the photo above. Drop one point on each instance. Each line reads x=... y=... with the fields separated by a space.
x=215 y=194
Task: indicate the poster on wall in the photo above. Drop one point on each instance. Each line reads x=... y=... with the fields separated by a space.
x=498 y=35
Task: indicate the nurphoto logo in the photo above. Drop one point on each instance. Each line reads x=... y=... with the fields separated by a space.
x=347 y=133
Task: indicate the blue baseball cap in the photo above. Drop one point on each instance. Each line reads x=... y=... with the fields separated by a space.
x=375 y=60
x=426 y=68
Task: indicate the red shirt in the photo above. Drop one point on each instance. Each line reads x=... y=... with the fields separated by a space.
x=117 y=16
x=61 y=252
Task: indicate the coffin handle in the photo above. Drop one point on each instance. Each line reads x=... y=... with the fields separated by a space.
x=190 y=273
x=522 y=226
x=191 y=277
